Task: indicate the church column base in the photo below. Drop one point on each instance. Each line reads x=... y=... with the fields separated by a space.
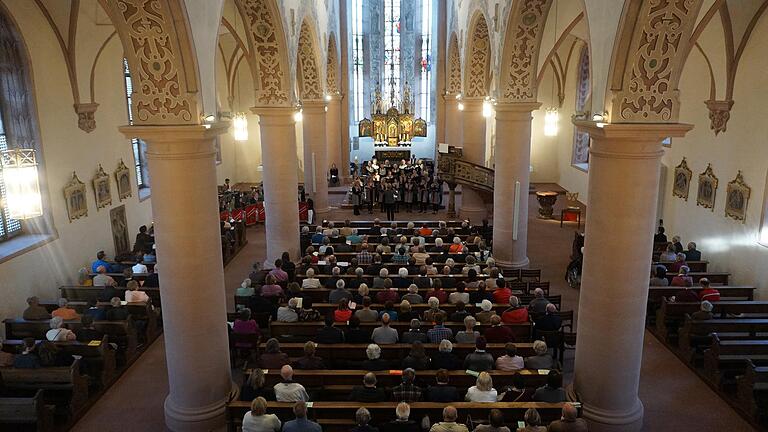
x=601 y=420
x=192 y=419
x=511 y=265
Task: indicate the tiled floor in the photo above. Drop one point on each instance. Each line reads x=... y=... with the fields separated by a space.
x=674 y=398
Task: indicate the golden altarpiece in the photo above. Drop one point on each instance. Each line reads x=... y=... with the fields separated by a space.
x=397 y=126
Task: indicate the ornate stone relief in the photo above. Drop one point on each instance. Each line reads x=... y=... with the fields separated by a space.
x=454 y=67
x=86 y=119
x=660 y=38
x=161 y=60
x=477 y=78
x=524 y=32
x=310 y=87
x=265 y=40
x=719 y=114
x=331 y=77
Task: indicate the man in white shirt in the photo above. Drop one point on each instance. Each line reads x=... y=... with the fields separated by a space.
x=289 y=391
x=102 y=279
x=57 y=333
x=310 y=281
x=139 y=268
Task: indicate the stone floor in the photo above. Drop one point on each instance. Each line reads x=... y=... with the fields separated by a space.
x=675 y=399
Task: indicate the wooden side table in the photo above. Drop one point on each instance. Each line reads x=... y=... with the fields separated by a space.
x=571 y=210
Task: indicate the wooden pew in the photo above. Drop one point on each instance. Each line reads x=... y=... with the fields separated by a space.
x=326 y=308
x=303 y=331
x=728 y=358
x=338 y=383
x=752 y=389
x=386 y=224
x=731 y=292
x=123 y=333
x=670 y=315
x=26 y=413
x=356 y=352
x=98 y=361
x=694 y=266
x=64 y=385
x=751 y=326
x=78 y=293
x=339 y=416
x=714 y=277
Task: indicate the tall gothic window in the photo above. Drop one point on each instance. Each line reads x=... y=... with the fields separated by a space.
x=391 y=47
x=17 y=113
x=580 y=158
x=426 y=60
x=357 y=59
x=139 y=146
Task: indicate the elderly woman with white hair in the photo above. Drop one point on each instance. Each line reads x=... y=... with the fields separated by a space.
x=434 y=309
x=402 y=280
x=538 y=306
x=289 y=313
x=58 y=333
x=378 y=281
x=310 y=281
x=456 y=247
x=469 y=334
x=413 y=295
x=339 y=293
x=486 y=312
x=542 y=359
x=445 y=358
x=402 y=423
x=245 y=289
x=438 y=247
x=373 y=361
x=514 y=314
x=483 y=390
x=362 y=292
x=470 y=264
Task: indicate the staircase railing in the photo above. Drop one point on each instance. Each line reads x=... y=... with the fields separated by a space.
x=454 y=169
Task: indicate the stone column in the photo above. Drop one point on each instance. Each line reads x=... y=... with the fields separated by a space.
x=453 y=129
x=278 y=150
x=313 y=127
x=473 y=143
x=513 y=160
x=185 y=213
x=451 y=199
x=345 y=99
x=623 y=186
x=333 y=134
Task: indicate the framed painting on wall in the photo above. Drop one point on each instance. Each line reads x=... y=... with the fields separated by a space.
x=682 y=183
x=737 y=198
x=120 y=235
x=74 y=195
x=123 y=178
x=707 y=189
x=102 y=189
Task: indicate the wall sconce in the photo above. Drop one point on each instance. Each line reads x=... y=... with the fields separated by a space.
x=298 y=116
x=208 y=118
x=461 y=106
x=240 y=126
x=488 y=107
x=327 y=98
x=551 y=119
x=22 y=186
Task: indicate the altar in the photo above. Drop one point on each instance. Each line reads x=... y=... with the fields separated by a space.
x=394 y=155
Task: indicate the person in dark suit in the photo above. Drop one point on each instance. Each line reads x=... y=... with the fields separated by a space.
x=402 y=423
x=444 y=358
x=107 y=293
x=329 y=334
x=442 y=392
x=368 y=392
x=374 y=362
x=117 y=312
x=355 y=334
x=87 y=333
x=389 y=200
x=259 y=304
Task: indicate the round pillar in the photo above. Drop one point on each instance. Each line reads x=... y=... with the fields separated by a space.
x=185 y=213
x=512 y=168
x=333 y=134
x=315 y=154
x=623 y=186
x=473 y=144
x=278 y=150
x=452 y=121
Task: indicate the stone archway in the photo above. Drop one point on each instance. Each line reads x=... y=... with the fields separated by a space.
x=308 y=72
x=332 y=66
x=477 y=72
x=453 y=86
x=158 y=46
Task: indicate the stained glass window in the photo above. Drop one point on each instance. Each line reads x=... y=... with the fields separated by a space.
x=357 y=58
x=580 y=138
x=426 y=59
x=391 y=47
x=8 y=227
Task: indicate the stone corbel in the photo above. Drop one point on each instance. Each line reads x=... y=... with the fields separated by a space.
x=86 y=116
x=719 y=114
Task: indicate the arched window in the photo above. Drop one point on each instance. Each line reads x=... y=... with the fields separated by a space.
x=17 y=114
x=580 y=157
x=139 y=146
x=358 y=60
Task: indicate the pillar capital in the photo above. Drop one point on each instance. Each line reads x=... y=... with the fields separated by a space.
x=473 y=104
x=174 y=133
x=511 y=108
x=633 y=131
x=334 y=97
x=314 y=106
x=274 y=112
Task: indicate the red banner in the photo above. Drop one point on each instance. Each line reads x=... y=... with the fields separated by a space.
x=224 y=216
x=238 y=214
x=251 y=214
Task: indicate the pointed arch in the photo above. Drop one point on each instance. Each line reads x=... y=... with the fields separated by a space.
x=157 y=41
x=648 y=60
x=332 y=66
x=477 y=76
x=267 y=52
x=454 y=66
x=308 y=77
x=522 y=41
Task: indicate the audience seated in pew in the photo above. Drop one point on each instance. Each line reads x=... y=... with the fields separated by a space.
x=704 y=313
x=340 y=292
x=288 y=312
x=538 y=305
x=309 y=360
x=260 y=304
x=417 y=358
x=366 y=314
x=515 y=313
x=414 y=333
x=355 y=334
x=245 y=289
x=407 y=390
x=329 y=334
x=677 y=263
x=469 y=334
x=134 y=295
x=245 y=325
x=442 y=391
x=532 y=421
x=691 y=253
x=434 y=310
x=406 y=313
x=343 y=312
x=254 y=387
x=659 y=276
x=542 y=359
x=6 y=359
x=483 y=390
x=569 y=421
x=368 y=392
x=389 y=309
x=257 y=419
x=450 y=415
x=510 y=361
x=682 y=279
x=669 y=254
x=707 y=292
x=480 y=360
x=444 y=358
x=548 y=322
x=439 y=331
x=271 y=288
x=102 y=278
x=287 y=390
x=385 y=334
x=374 y=362
x=34 y=311
x=485 y=314
x=300 y=423
x=28 y=359
x=272 y=357
x=87 y=332
x=460 y=295
x=117 y=312
x=553 y=391
x=498 y=333
x=58 y=332
x=460 y=313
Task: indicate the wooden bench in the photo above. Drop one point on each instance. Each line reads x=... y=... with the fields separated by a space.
x=746 y=326
x=728 y=358
x=714 y=277
x=98 y=361
x=123 y=333
x=303 y=331
x=64 y=385
x=670 y=315
x=339 y=416
x=694 y=266
x=26 y=413
x=78 y=293
x=752 y=389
